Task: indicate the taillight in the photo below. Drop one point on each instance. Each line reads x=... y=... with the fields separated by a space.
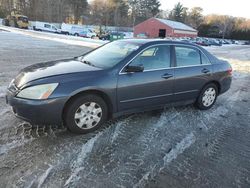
x=230 y=71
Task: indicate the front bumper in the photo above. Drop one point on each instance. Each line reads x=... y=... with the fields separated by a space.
x=44 y=112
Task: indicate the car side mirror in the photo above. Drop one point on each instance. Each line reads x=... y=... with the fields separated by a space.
x=138 y=68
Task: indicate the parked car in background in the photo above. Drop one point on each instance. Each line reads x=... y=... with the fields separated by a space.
x=87 y=33
x=214 y=42
x=121 y=77
x=202 y=42
x=71 y=29
x=77 y=30
x=47 y=27
x=141 y=36
x=128 y=35
x=247 y=42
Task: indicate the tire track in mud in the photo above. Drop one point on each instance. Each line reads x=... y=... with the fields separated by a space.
x=63 y=150
x=204 y=164
x=127 y=149
x=219 y=157
x=128 y=153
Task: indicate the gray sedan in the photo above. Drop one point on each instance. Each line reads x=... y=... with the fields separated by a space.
x=121 y=77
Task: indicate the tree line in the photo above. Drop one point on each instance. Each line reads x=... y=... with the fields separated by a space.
x=103 y=12
x=219 y=26
x=126 y=13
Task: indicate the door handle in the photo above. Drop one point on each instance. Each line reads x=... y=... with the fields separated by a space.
x=205 y=71
x=167 y=76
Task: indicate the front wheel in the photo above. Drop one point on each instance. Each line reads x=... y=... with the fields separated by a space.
x=5 y=22
x=207 y=97
x=85 y=114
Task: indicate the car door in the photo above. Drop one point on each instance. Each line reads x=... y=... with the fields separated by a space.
x=54 y=30
x=47 y=27
x=153 y=86
x=193 y=70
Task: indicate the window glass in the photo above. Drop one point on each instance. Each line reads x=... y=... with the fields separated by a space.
x=204 y=59
x=47 y=26
x=153 y=58
x=187 y=56
x=110 y=54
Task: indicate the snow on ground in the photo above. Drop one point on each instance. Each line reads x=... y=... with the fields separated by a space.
x=66 y=39
x=172 y=148
x=2 y=91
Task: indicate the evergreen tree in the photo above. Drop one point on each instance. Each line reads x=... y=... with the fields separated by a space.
x=179 y=13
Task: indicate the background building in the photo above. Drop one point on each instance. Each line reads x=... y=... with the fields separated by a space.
x=155 y=27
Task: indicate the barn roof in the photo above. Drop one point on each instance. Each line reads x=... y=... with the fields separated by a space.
x=176 y=25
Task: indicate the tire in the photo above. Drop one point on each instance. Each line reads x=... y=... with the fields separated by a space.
x=207 y=97
x=91 y=109
x=5 y=22
x=76 y=34
x=13 y=23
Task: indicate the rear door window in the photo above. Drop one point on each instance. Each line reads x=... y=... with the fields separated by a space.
x=186 y=56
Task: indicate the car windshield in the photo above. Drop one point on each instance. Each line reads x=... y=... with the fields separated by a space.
x=23 y=18
x=110 y=54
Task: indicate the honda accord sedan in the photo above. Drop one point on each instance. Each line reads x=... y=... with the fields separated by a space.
x=121 y=77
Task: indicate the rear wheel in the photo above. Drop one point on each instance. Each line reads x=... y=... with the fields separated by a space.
x=5 y=22
x=85 y=114
x=207 y=97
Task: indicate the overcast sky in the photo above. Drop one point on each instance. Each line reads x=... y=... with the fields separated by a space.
x=238 y=8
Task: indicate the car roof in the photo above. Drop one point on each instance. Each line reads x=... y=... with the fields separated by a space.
x=157 y=41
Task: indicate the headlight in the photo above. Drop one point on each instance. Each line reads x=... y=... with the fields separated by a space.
x=38 y=92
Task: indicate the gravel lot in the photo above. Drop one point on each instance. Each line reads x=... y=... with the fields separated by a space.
x=177 y=147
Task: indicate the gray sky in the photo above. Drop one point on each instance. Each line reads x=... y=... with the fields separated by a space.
x=237 y=8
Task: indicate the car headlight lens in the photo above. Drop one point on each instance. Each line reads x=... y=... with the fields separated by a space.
x=38 y=92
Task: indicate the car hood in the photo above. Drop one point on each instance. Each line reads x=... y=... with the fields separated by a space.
x=53 y=68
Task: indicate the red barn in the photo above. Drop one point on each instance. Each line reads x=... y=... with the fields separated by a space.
x=155 y=28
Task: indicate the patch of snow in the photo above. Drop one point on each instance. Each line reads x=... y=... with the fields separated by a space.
x=117 y=131
x=239 y=66
x=179 y=149
x=215 y=113
x=203 y=126
x=78 y=164
x=4 y=149
x=44 y=176
x=142 y=181
x=2 y=91
x=4 y=111
x=118 y=128
x=71 y=40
